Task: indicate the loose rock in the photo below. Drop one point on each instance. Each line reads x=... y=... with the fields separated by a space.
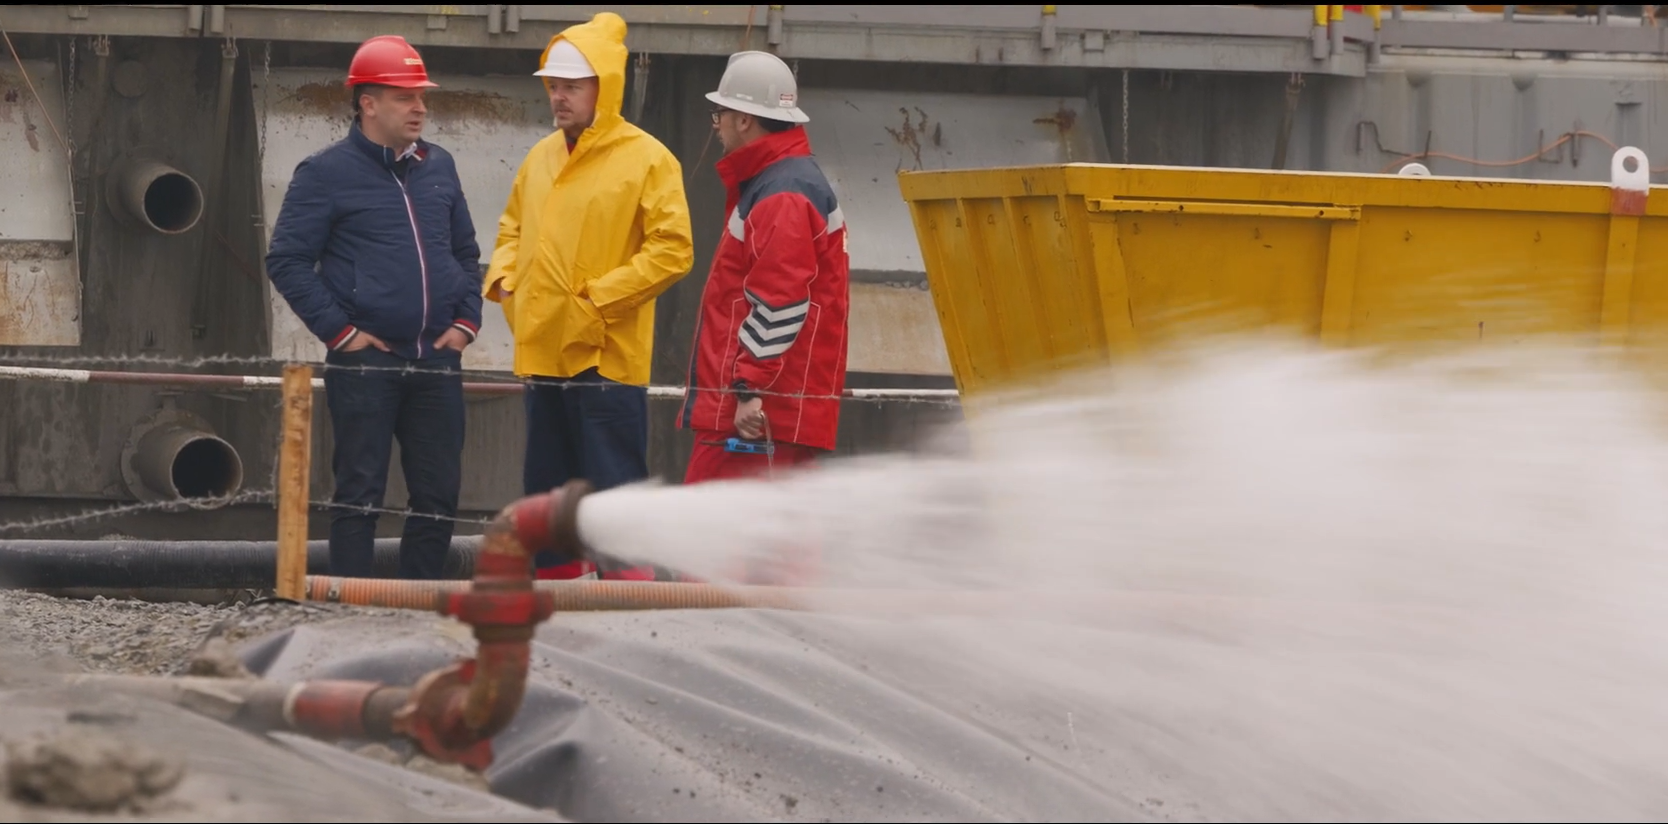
x=81 y=769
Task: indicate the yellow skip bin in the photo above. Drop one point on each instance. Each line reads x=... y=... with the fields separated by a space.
x=1037 y=269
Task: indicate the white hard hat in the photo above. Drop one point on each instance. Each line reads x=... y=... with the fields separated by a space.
x=760 y=84
x=565 y=61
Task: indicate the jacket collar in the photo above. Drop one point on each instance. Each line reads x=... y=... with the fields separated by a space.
x=746 y=162
x=382 y=154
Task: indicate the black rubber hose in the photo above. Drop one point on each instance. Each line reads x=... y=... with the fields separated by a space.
x=186 y=564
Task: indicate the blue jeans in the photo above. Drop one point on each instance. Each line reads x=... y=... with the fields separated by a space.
x=420 y=403
x=586 y=426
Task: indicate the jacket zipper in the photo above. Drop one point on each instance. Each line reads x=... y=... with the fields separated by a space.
x=422 y=259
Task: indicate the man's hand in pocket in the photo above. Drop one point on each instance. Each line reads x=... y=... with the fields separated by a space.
x=363 y=339
x=453 y=339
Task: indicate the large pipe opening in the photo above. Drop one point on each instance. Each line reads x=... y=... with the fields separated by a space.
x=181 y=463
x=178 y=462
x=158 y=196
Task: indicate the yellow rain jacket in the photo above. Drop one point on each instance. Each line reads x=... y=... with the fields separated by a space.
x=588 y=240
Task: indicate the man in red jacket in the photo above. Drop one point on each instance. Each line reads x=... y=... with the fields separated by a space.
x=769 y=361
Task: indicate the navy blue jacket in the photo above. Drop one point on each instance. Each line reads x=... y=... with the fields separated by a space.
x=356 y=247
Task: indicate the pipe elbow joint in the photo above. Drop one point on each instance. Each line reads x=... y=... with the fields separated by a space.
x=454 y=713
x=550 y=522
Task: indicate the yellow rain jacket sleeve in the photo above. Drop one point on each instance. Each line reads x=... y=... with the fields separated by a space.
x=589 y=239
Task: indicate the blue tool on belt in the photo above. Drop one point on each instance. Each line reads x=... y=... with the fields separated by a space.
x=749 y=447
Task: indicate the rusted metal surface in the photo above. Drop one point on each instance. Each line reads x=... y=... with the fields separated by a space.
x=1063 y=119
x=34 y=179
x=40 y=293
x=40 y=282
x=333 y=100
x=487 y=123
x=908 y=134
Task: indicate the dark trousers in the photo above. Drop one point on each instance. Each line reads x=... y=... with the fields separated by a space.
x=420 y=403
x=586 y=426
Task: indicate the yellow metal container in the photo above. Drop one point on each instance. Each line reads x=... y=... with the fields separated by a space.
x=1035 y=269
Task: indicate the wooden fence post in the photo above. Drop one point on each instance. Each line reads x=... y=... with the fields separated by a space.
x=295 y=459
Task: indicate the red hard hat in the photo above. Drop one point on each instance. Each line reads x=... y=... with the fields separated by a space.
x=388 y=60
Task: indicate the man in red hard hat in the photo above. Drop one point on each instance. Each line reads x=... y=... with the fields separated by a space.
x=375 y=252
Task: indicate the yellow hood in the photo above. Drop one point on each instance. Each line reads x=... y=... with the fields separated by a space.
x=602 y=41
x=589 y=239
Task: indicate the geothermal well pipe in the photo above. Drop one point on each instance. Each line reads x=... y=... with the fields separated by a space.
x=452 y=713
x=177 y=462
x=157 y=196
x=172 y=455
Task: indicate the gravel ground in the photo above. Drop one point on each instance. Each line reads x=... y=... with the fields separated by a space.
x=137 y=638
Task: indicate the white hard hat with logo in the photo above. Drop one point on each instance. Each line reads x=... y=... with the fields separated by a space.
x=760 y=84
x=566 y=62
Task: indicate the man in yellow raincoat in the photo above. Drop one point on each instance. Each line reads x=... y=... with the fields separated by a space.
x=596 y=228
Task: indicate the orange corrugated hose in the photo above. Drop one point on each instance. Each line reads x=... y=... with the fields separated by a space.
x=571 y=596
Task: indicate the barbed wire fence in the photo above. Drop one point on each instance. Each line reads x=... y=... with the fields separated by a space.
x=73 y=369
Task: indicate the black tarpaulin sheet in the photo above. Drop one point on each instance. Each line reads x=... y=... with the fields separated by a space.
x=231 y=775
x=745 y=715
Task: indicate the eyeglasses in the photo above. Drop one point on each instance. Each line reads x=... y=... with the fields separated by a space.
x=718 y=113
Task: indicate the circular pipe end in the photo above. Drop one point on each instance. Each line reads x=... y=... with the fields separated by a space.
x=177 y=462
x=206 y=467
x=173 y=203
x=149 y=193
x=564 y=522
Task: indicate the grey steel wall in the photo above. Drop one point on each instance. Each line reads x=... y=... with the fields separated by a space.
x=61 y=445
x=143 y=294
x=1526 y=118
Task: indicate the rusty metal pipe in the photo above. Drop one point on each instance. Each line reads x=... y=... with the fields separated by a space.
x=158 y=196
x=455 y=712
x=569 y=596
x=327 y=710
x=452 y=713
